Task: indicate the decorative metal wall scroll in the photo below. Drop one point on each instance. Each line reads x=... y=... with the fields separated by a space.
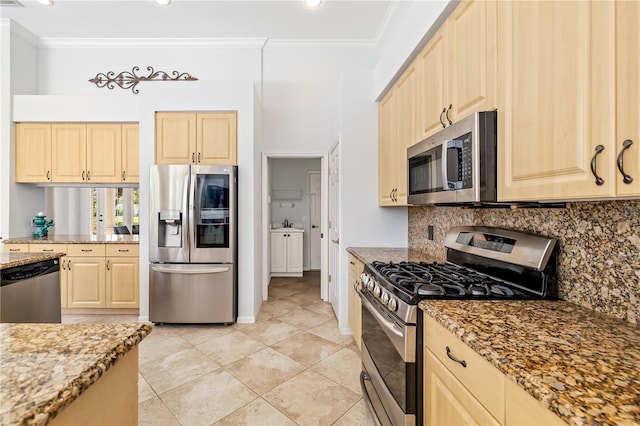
x=129 y=80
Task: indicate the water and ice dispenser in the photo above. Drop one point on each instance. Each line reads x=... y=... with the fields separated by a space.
x=170 y=228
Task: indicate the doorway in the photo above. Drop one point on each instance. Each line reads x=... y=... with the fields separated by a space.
x=290 y=200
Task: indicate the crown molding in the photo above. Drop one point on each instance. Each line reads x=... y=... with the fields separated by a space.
x=234 y=43
x=320 y=44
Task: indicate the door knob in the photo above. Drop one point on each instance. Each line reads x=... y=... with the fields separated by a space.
x=336 y=241
x=314 y=226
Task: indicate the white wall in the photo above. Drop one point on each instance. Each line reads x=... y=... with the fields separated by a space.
x=404 y=34
x=18 y=202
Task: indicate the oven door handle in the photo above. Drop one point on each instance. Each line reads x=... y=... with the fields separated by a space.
x=403 y=342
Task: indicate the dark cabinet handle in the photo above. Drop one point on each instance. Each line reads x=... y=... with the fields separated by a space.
x=124 y=175
x=198 y=157
x=462 y=362
x=442 y=122
x=83 y=175
x=447 y=115
x=48 y=175
x=625 y=177
x=599 y=180
x=193 y=157
x=88 y=175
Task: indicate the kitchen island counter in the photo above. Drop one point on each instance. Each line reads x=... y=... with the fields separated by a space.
x=581 y=365
x=76 y=239
x=47 y=367
x=10 y=260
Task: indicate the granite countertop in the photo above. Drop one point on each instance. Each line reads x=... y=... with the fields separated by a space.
x=45 y=367
x=76 y=239
x=9 y=260
x=389 y=254
x=582 y=365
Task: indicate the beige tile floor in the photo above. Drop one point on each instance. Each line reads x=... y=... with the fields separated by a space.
x=292 y=367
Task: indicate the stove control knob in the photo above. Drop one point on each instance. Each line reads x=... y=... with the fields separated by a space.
x=364 y=277
x=377 y=291
x=392 y=304
x=370 y=284
x=385 y=298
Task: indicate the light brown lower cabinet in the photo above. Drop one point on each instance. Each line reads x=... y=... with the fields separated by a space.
x=355 y=307
x=93 y=275
x=461 y=387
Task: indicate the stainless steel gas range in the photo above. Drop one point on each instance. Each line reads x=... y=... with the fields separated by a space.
x=482 y=263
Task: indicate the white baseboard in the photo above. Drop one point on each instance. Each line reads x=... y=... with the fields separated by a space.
x=246 y=320
x=143 y=318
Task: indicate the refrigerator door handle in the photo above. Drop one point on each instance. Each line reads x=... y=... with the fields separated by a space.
x=186 y=227
x=191 y=270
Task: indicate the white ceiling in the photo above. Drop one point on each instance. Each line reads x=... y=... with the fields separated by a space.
x=333 y=20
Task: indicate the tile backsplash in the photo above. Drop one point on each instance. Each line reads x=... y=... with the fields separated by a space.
x=599 y=255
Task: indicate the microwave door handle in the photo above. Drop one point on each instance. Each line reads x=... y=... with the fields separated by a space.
x=445 y=175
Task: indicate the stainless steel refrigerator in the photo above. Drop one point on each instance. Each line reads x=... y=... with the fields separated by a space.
x=193 y=244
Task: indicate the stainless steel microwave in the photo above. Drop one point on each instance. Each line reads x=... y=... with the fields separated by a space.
x=457 y=164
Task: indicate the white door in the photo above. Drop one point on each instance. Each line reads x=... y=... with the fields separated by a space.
x=334 y=229
x=315 y=204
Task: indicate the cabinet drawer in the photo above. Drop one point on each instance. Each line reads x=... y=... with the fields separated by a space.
x=85 y=250
x=478 y=372
x=48 y=248
x=126 y=250
x=15 y=248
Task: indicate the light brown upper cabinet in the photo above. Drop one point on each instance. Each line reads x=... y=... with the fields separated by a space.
x=33 y=152
x=69 y=152
x=628 y=98
x=557 y=99
x=396 y=132
x=130 y=153
x=196 y=138
x=76 y=152
x=457 y=68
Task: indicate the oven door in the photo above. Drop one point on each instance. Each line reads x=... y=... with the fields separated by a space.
x=389 y=364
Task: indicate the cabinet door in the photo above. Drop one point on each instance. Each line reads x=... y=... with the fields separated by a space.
x=122 y=282
x=628 y=94
x=447 y=401
x=85 y=282
x=431 y=85
x=217 y=138
x=386 y=148
x=175 y=138
x=278 y=252
x=104 y=153
x=405 y=132
x=68 y=153
x=33 y=152
x=130 y=153
x=471 y=60
x=294 y=252
x=355 y=307
x=556 y=100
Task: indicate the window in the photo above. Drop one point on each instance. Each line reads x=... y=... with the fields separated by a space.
x=114 y=207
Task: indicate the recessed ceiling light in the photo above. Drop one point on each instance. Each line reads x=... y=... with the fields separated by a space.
x=312 y=3
x=46 y=2
x=163 y=2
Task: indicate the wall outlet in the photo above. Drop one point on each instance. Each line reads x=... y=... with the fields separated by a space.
x=430 y=232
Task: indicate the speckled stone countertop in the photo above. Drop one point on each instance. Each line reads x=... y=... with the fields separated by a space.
x=388 y=254
x=45 y=367
x=9 y=260
x=76 y=239
x=582 y=365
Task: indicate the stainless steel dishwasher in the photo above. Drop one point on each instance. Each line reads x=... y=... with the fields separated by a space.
x=31 y=293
